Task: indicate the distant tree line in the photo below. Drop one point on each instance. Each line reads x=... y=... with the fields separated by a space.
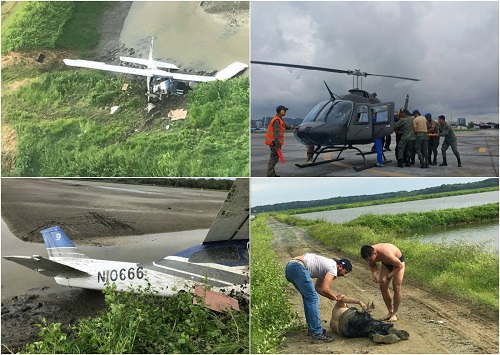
x=212 y=184
x=362 y=198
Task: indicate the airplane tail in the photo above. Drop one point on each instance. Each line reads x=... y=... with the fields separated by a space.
x=151 y=46
x=59 y=245
x=231 y=222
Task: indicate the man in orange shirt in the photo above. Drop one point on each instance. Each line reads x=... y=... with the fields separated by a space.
x=275 y=137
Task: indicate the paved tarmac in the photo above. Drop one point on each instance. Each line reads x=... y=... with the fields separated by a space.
x=478 y=151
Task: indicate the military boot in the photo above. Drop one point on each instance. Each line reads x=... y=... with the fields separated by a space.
x=385 y=339
x=434 y=162
x=400 y=163
x=459 y=163
x=401 y=334
x=444 y=163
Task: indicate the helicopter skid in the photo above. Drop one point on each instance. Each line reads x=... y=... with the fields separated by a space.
x=317 y=163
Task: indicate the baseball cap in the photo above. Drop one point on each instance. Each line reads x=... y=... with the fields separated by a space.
x=345 y=263
x=428 y=115
x=281 y=107
x=416 y=112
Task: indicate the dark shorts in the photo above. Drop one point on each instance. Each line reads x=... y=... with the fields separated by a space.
x=391 y=267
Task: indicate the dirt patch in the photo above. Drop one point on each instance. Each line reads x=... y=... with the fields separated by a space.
x=52 y=59
x=463 y=330
x=232 y=13
x=20 y=314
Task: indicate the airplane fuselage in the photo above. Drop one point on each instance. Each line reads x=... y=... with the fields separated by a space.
x=168 y=276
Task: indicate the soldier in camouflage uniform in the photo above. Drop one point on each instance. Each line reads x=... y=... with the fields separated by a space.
x=450 y=140
x=405 y=125
x=432 y=128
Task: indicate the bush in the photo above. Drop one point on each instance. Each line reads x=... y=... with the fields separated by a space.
x=145 y=323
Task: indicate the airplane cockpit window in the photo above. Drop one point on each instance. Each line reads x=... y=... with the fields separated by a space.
x=382 y=113
x=220 y=255
x=314 y=112
x=362 y=115
x=339 y=114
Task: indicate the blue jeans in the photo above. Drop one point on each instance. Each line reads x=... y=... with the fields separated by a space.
x=298 y=275
x=379 y=148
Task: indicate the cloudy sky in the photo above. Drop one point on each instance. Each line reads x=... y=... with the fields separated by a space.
x=452 y=47
x=271 y=191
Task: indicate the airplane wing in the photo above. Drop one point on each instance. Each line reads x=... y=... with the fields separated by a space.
x=231 y=222
x=47 y=267
x=136 y=71
x=231 y=70
x=115 y=68
x=146 y=62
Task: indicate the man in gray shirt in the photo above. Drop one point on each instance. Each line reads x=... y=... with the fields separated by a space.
x=301 y=270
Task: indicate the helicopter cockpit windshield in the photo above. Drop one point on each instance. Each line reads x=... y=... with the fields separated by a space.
x=314 y=112
x=337 y=113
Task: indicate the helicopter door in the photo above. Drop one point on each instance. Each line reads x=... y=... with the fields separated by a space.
x=384 y=119
x=360 y=128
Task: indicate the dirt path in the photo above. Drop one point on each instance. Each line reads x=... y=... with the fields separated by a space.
x=462 y=331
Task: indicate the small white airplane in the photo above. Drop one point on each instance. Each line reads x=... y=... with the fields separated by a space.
x=160 y=82
x=221 y=261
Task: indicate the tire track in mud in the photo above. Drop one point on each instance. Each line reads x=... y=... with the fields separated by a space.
x=463 y=330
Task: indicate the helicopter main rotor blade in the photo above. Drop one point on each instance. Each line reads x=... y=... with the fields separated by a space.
x=391 y=76
x=302 y=67
x=331 y=70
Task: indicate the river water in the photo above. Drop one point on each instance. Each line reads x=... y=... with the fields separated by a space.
x=186 y=35
x=486 y=234
x=17 y=279
x=346 y=215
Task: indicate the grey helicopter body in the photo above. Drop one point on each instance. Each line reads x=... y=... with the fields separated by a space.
x=342 y=122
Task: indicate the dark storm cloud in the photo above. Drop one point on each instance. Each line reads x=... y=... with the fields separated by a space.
x=451 y=46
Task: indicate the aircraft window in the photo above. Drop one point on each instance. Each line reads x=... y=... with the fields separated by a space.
x=362 y=115
x=339 y=114
x=219 y=255
x=314 y=112
x=382 y=114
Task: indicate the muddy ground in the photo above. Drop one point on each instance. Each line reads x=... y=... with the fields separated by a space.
x=463 y=330
x=92 y=212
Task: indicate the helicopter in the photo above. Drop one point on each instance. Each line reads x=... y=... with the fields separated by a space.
x=340 y=123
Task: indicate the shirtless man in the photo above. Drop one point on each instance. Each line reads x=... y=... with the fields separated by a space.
x=393 y=267
x=351 y=323
x=300 y=271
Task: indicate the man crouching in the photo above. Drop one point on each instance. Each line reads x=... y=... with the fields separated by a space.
x=351 y=323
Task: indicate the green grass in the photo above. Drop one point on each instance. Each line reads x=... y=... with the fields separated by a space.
x=466 y=272
x=146 y=323
x=404 y=222
x=64 y=133
x=270 y=308
x=42 y=25
x=80 y=32
x=36 y=25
